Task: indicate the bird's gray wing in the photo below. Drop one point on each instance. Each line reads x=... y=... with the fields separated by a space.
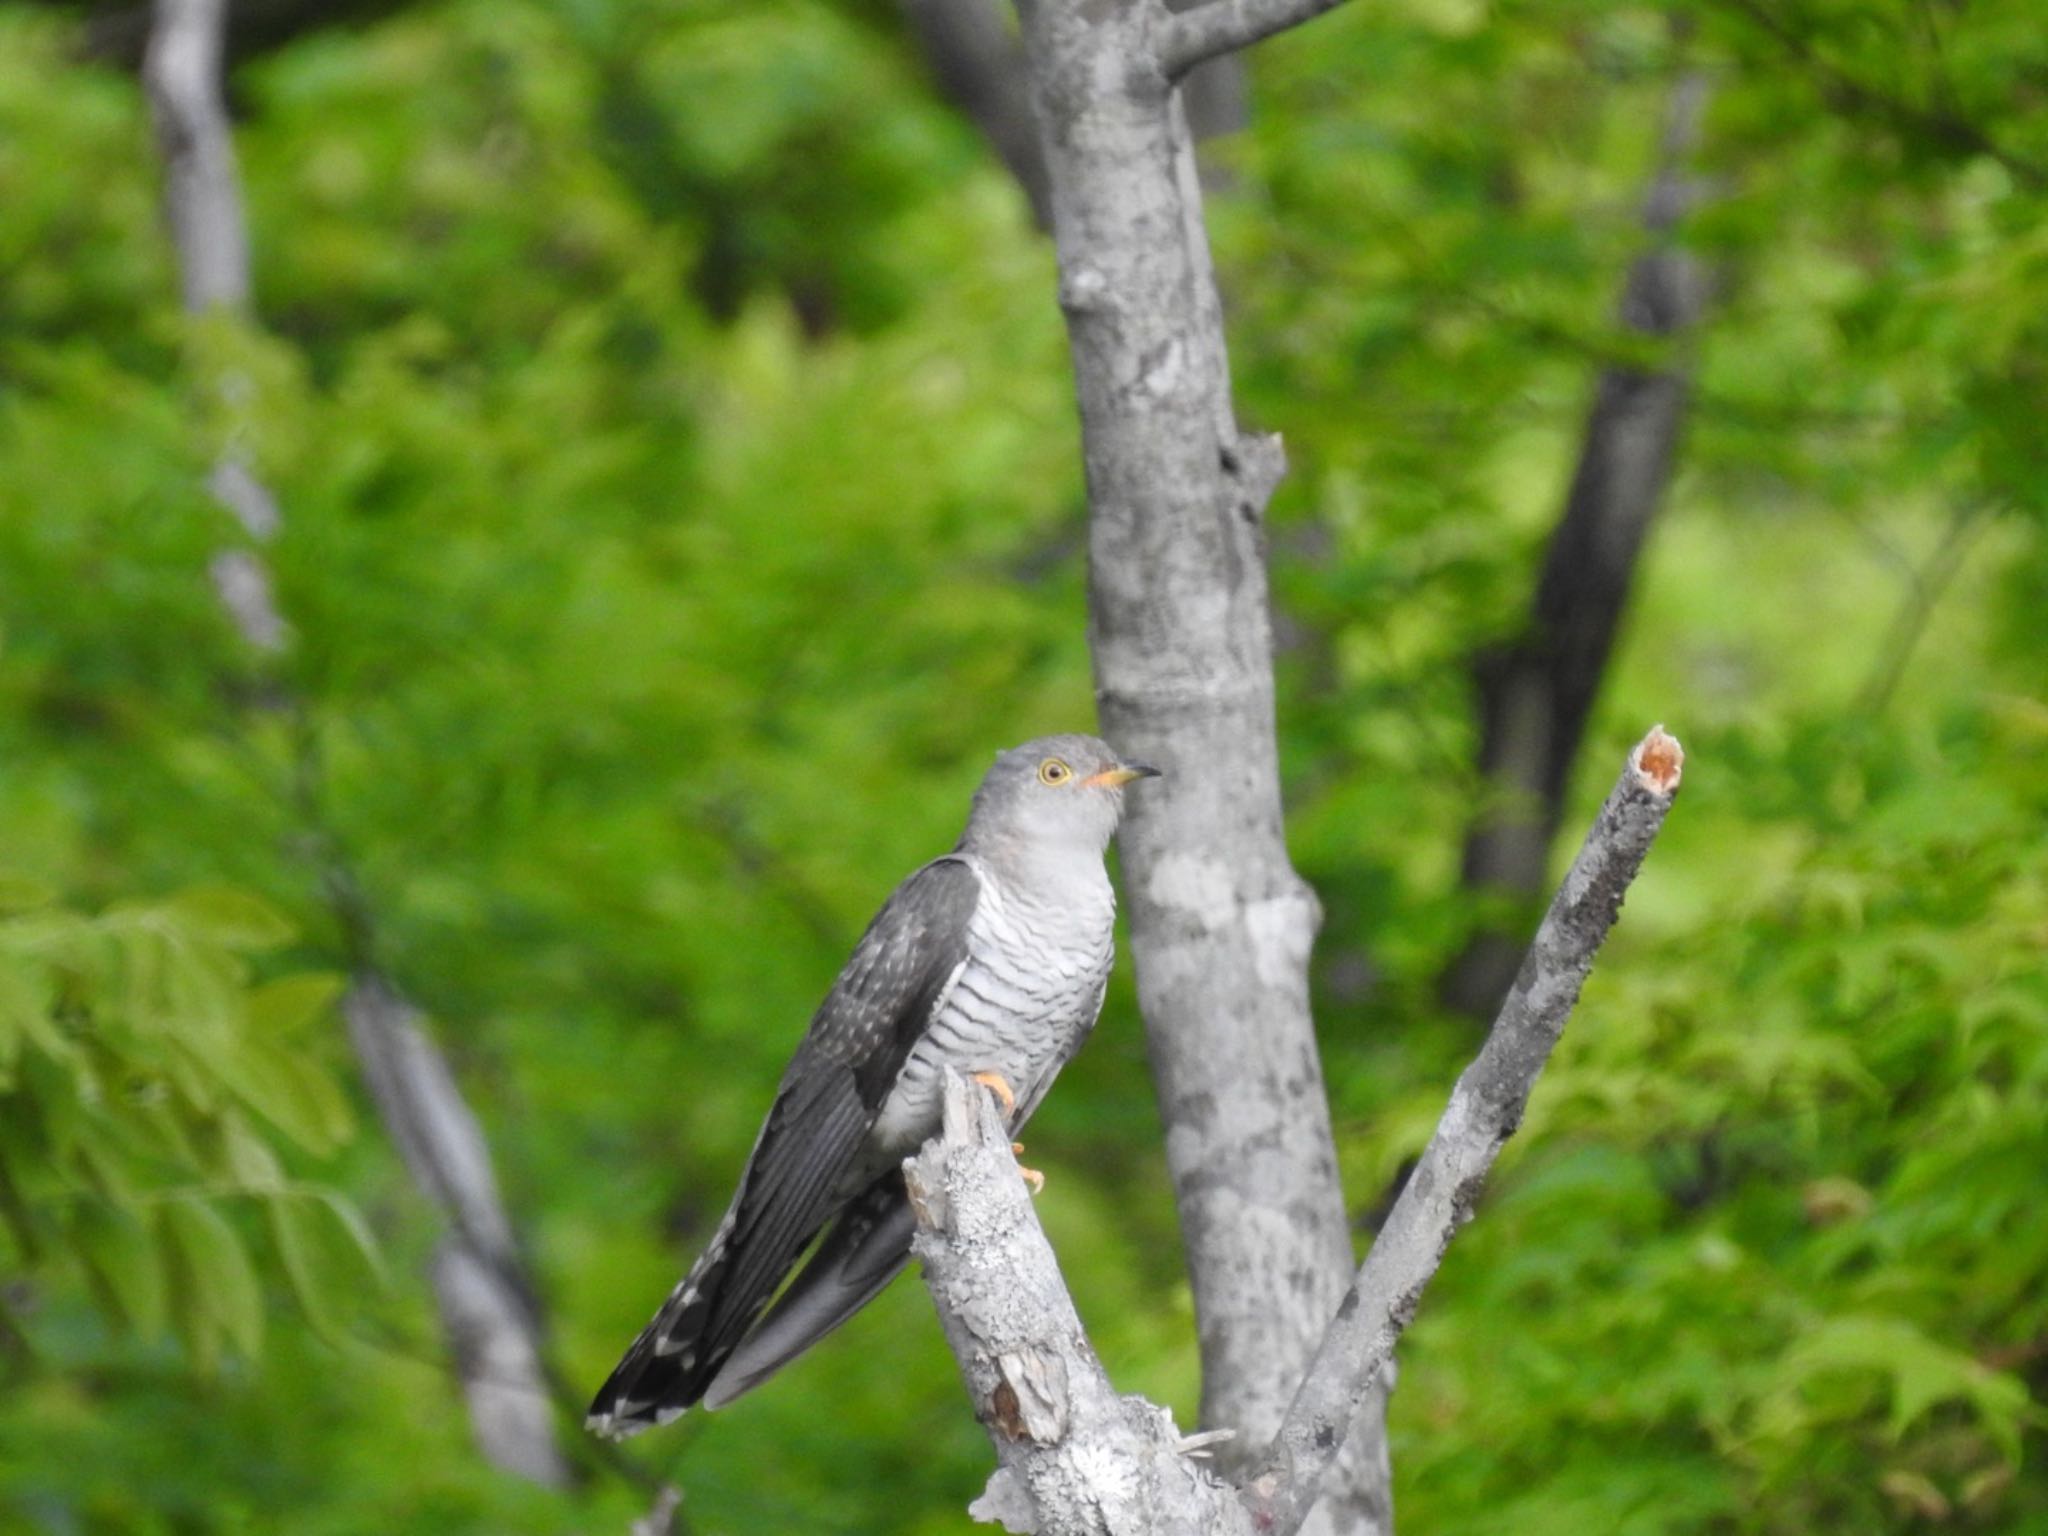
x=857 y=1044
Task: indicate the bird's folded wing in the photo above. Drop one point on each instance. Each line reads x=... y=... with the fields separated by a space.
x=858 y=1042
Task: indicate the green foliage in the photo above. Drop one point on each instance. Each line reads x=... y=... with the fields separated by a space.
x=669 y=411
x=144 y=1085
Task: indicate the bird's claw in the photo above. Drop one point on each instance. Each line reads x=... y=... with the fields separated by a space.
x=996 y=1084
x=1031 y=1175
x=1006 y=1096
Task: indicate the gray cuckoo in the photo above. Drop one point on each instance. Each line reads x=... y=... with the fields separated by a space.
x=991 y=961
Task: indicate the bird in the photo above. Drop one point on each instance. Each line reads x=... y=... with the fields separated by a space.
x=990 y=961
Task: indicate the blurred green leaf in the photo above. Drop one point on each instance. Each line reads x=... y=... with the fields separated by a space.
x=231 y=917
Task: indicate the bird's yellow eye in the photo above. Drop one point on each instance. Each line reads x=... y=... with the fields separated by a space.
x=1054 y=771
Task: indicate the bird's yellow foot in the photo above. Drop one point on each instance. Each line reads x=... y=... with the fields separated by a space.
x=1031 y=1175
x=996 y=1084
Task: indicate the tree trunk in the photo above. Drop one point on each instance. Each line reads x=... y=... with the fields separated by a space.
x=1221 y=924
x=1536 y=692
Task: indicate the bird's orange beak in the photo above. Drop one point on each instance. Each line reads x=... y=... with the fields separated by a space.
x=1116 y=778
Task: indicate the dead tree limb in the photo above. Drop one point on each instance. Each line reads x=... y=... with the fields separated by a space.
x=1485 y=1109
x=487 y=1310
x=1075 y=1459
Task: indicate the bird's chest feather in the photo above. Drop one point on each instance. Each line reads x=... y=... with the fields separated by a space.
x=1021 y=1004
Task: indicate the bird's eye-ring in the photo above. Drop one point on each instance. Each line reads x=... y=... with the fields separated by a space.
x=1054 y=771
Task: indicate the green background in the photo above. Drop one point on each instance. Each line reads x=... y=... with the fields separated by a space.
x=670 y=415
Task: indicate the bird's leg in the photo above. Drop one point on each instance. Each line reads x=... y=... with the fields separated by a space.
x=1031 y=1175
x=998 y=1085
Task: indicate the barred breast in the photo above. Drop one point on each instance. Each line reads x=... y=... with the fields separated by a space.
x=1020 y=1005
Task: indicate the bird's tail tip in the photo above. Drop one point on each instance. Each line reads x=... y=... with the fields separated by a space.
x=622 y=1421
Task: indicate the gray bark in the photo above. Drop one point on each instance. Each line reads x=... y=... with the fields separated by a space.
x=1219 y=27
x=1536 y=692
x=486 y=1309
x=1075 y=1459
x=977 y=63
x=1221 y=924
x=480 y=1287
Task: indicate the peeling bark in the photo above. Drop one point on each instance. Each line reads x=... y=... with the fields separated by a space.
x=487 y=1310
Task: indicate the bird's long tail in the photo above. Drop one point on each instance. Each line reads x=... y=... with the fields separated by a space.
x=698 y=1349
x=674 y=1359
x=862 y=1252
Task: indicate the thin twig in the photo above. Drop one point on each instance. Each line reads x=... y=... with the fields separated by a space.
x=1485 y=1108
x=1924 y=589
x=487 y=1307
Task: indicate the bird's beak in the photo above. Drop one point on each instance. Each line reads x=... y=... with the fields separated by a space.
x=1122 y=774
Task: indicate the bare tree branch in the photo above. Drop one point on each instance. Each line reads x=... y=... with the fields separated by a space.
x=977 y=62
x=487 y=1310
x=1074 y=1459
x=1223 y=26
x=203 y=202
x=1485 y=1108
x=1180 y=634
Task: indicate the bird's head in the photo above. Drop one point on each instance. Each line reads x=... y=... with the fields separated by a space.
x=1063 y=792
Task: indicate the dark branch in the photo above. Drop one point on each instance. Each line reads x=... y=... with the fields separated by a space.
x=1537 y=689
x=978 y=65
x=1192 y=37
x=1485 y=1108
